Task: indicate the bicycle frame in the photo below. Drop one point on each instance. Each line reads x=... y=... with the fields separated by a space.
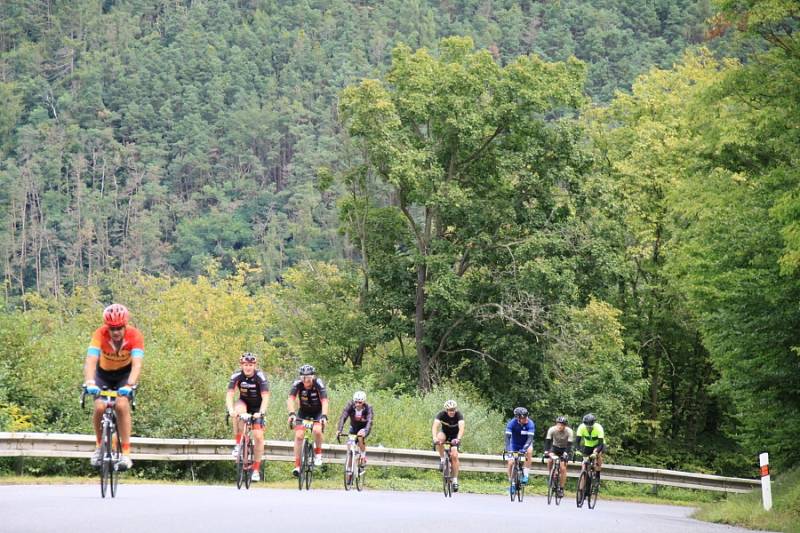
x=554 y=480
x=353 y=469
x=447 y=471
x=110 y=442
x=588 y=484
x=516 y=488
x=245 y=458
x=307 y=456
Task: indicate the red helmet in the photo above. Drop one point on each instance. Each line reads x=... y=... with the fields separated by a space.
x=116 y=315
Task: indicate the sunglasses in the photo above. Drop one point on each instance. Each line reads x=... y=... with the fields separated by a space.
x=116 y=328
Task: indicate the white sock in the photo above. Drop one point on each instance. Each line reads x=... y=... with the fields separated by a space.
x=526 y=471
x=455 y=480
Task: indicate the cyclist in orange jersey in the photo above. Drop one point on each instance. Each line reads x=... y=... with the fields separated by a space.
x=114 y=360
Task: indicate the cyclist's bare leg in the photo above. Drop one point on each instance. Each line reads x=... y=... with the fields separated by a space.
x=440 y=438
x=299 y=433
x=238 y=424
x=317 y=432
x=549 y=463
x=454 y=459
x=563 y=479
x=362 y=444
x=258 y=441
x=528 y=457
x=510 y=468
x=123 y=409
x=97 y=417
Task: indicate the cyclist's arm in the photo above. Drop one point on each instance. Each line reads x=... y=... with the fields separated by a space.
x=368 y=427
x=600 y=446
x=548 y=445
x=136 y=368
x=343 y=417
x=290 y=403
x=460 y=429
x=570 y=438
x=436 y=427
x=89 y=368
x=508 y=440
x=264 y=402
x=229 y=400
x=325 y=407
x=529 y=441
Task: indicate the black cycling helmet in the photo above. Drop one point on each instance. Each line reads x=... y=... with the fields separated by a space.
x=248 y=357
x=520 y=412
x=561 y=420
x=307 y=370
x=589 y=419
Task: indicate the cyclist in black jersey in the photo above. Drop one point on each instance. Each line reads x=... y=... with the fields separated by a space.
x=360 y=414
x=310 y=392
x=448 y=426
x=253 y=398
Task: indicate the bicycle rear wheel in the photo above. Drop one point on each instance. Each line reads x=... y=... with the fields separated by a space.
x=512 y=486
x=551 y=490
x=520 y=485
x=583 y=482
x=116 y=451
x=593 y=493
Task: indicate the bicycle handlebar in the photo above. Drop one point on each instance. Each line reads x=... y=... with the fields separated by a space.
x=110 y=393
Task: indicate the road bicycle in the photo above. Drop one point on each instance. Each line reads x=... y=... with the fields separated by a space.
x=516 y=488
x=554 y=479
x=245 y=457
x=110 y=443
x=307 y=456
x=588 y=483
x=447 y=470
x=354 y=469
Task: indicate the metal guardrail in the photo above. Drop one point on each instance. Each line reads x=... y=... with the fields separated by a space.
x=150 y=449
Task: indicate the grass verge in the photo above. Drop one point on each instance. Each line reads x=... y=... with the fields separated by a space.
x=747 y=510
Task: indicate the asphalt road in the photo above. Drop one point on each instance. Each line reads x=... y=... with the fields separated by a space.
x=177 y=508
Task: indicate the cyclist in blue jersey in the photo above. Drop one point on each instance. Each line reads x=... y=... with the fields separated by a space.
x=519 y=438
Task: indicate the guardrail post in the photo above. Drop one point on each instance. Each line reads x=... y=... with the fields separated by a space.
x=766 y=486
x=19 y=464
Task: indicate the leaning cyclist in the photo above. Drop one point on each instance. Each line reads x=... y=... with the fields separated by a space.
x=114 y=361
x=589 y=440
x=558 y=442
x=448 y=426
x=254 y=393
x=310 y=393
x=360 y=414
x=519 y=438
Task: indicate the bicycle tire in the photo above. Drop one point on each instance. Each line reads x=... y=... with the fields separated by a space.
x=512 y=485
x=447 y=481
x=360 y=476
x=558 y=486
x=105 y=465
x=348 y=470
x=115 y=457
x=247 y=467
x=309 y=472
x=520 y=491
x=583 y=481
x=594 y=491
x=240 y=466
x=551 y=491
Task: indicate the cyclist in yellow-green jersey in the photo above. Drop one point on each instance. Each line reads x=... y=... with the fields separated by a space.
x=590 y=440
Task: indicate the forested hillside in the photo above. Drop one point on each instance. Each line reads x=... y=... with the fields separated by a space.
x=569 y=205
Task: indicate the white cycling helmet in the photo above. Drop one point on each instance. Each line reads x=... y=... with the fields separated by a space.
x=450 y=404
x=360 y=396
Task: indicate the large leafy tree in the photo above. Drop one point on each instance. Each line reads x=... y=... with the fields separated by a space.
x=456 y=136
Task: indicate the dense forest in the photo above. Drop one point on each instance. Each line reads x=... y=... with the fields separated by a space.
x=565 y=204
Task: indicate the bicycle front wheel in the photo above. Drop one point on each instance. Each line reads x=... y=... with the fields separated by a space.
x=360 y=476
x=593 y=493
x=116 y=451
x=240 y=466
x=551 y=489
x=447 y=481
x=348 y=470
x=557 y=489
x=247 y=467
x=309 y=470
x=105 y=465
x=583 y=482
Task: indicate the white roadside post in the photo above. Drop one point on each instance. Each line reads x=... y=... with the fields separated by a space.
x=766 y=488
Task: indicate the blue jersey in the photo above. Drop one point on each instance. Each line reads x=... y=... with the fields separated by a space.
x=520 y=435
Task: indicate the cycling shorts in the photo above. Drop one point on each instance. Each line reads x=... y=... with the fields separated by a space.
x=298 y=421
x=112 y=380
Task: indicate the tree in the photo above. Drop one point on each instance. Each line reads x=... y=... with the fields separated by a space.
x=441 y=131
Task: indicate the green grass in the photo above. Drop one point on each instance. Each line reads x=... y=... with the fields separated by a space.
x=747 y=510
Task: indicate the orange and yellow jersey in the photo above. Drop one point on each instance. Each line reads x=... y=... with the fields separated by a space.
x=113 y=357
